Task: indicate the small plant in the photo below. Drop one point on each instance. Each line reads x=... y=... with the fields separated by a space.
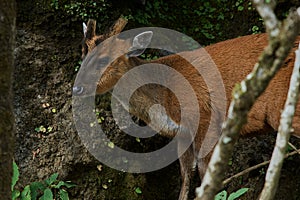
x=54 y=4
x=42 y=129
x=138 y=190
x=223 y=195
x=100 y=118
x=255 y=30
x=230 y=162
x=262 y=171
x=48 y=189
x=239 y=5
x=15 y=178
x=242 y=4
x=78 y=66
x=54 y=58
x=149 y=56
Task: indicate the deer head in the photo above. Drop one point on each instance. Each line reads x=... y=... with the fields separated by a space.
x=110 y=60
x=91 y=40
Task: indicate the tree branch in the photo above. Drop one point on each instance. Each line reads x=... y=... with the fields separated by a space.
x=228 y=180
x=284 y=132
x=7 y=128
x=268 y=15
x=245 y=94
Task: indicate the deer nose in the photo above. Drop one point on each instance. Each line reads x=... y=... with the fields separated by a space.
x=77 y=90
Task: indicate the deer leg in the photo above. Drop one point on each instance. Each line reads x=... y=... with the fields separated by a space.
x=202 y=165
x=187 y=161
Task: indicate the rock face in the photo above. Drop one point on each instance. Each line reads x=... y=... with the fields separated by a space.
x=47 y=141
x=45 y=134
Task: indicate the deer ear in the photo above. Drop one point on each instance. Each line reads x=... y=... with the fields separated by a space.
x=84 y=27
x=90 y=29
x=140 y=43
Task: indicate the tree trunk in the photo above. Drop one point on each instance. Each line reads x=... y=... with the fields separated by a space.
x=7 y=42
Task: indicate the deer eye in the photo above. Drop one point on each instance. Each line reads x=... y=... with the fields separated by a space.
x=77 y=90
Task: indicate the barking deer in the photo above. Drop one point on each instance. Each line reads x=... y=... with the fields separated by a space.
x=234 y=59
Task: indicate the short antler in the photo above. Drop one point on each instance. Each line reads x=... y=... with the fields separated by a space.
x=117 y=27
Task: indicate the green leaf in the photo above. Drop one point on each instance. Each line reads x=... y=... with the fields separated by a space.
x=40 y=129
x=240 y=8
x=49 y=129
x=69 y=184
x=238 y=193
x=221 y=195
x=48 y=195
x=15 y=176
x=63 y=194
x=138 y=190
x=230 y=162
x=35 y=187
x=60 y=183
x=111 y=145
x=15 y=194
x=51 y=179
x=26 y=193
x=66 y=184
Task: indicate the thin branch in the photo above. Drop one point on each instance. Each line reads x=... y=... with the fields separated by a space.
x=284 y=133
x=228 y=180
x=265 y=10
x=244 y=96
x=293 y=146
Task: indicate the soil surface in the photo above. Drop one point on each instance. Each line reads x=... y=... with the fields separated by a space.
x=47 y=141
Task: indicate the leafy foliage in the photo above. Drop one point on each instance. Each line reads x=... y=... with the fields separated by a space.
x=81 y=11
x=44 y=190
x=205 y=21
x=223 y=194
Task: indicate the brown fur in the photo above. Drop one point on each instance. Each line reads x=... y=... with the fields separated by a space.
x=235 y=59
